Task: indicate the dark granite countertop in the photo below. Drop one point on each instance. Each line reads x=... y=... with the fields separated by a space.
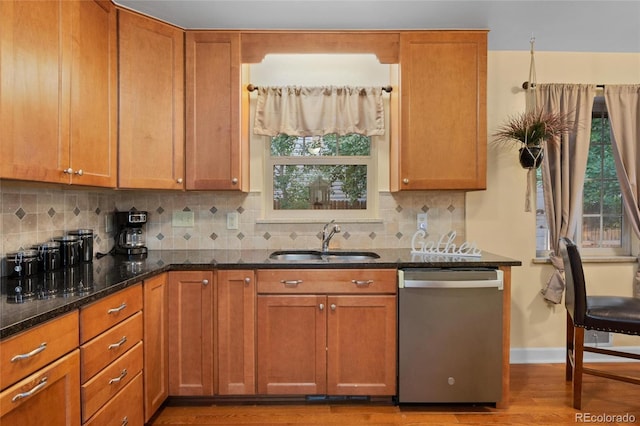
x=55 y=293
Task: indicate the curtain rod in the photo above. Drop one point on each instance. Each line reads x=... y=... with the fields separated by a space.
x=525 y=85
x=251 y=88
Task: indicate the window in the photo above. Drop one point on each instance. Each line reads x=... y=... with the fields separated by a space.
x=603 y=229
x=319 y=173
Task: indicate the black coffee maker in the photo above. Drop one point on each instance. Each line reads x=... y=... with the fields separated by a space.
x=130 y=240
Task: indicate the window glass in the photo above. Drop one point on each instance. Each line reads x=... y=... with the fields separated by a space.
x=320 y=173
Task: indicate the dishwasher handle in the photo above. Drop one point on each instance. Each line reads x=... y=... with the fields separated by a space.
x=469 y=283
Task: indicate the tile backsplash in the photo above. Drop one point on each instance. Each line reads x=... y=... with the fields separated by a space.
x=34 y=213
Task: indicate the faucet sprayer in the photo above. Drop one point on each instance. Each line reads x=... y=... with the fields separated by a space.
x=327 y=237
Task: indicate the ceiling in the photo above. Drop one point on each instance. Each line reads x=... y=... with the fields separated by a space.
x=556 y=25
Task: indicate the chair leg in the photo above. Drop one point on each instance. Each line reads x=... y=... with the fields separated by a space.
x=568 y=369
x=578 y=361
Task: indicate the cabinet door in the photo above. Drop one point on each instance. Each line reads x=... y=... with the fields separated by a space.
x=217 y=153
x=292 y=355
x=156 y=341
x=93 y=121
x=443 y=134
x=34 y=88
x=236 y=301
x=55 y=399
x=191 y=345
x=151 y=91
x=361 y=345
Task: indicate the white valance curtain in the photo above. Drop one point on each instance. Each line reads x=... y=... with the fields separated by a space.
x=316 y=111
x=623 y=106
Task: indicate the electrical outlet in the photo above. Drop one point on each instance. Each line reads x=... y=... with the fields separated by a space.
x=232 y=220
x=421 y=221
x=182 y=219
x=108 y=223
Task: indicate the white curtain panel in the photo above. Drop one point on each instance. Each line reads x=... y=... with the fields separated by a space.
x=623 y=106
x=316 y=111
x=563 y=169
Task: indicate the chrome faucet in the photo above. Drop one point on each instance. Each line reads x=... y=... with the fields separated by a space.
x=327 y=237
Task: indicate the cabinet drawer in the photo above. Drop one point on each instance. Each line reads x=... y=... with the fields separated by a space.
x=55 y=397
x=107 y=312
x=124 y=408
x=356 y=281
x=104 y=385
x=36 y=347
x=108 y=346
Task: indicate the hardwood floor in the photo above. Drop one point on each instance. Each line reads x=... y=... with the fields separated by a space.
x=539 y=396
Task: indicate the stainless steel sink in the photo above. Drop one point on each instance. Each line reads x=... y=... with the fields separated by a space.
x=296 y=255
x=352 y=256
x=307 y=255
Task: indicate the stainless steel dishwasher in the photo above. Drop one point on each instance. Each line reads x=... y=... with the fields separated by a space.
x=450 y=335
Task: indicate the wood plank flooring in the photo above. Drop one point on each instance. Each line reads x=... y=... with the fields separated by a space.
x=539 y=396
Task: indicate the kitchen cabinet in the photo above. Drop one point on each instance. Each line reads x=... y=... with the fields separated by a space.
x=122 y=408
x=156 y=343
x=442 y=139
x=151 y=95
x=217 y=144
x=55 y=399
x=326 y=332
x=236 y=310
x=41 y=369
x=58 y=91
x=111 y=353
x=191 y=342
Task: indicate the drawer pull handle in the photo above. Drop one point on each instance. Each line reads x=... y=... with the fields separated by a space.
x=36 y=388
x=362 y=283
x=34 y=352
x=119 y=378
x=291 y=283
x=119 y=343
x=118 y=309
x=125 y=421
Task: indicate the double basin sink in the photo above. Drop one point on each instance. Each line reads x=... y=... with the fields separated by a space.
x=316 y=255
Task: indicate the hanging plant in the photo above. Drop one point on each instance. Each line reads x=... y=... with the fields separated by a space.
x=530 y=130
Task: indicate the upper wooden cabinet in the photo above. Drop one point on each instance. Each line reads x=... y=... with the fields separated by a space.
x=217 y=146
x=442 y=139
x=151 y=64
x=58 y=92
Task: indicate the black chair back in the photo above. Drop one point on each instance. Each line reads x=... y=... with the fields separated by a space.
x=575 y=299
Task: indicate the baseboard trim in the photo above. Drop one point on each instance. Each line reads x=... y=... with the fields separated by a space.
x=557 y=355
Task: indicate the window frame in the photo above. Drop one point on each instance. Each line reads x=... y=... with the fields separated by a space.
x=371 y=161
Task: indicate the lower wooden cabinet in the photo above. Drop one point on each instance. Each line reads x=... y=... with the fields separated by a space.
x=191 y=343
x=110 y=381
x=341 y=342
x=50 y=396
x=125 y=408
x=156 y=343
x=235 y=322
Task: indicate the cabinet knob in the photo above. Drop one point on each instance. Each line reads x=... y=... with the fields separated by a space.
x=80 y=172
x=405 y=181
x=321 y=306
x=179 y=180
x=234 y=181
x=247 y=280
x=68 y=171
x=333 y=306
x=205 y=282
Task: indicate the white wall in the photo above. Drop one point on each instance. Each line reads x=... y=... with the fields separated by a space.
x=496 y=218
